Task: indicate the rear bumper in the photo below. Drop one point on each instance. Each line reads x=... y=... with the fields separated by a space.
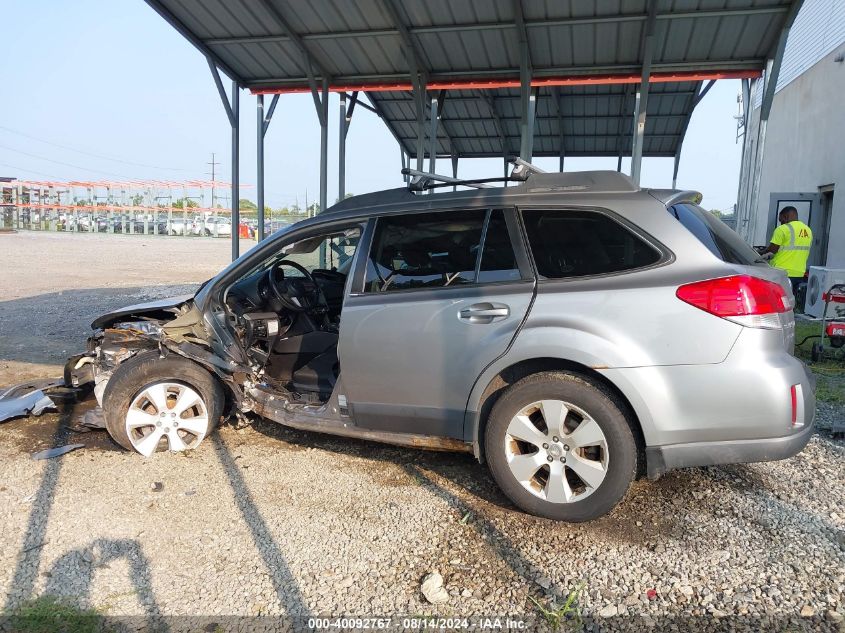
x=661 y=459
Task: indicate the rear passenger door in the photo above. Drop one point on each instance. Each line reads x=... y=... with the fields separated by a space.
x=437 y=298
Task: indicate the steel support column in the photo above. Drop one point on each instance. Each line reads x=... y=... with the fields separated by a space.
x=620 y=139
x=236 y=171
x=324 y=146
x=263 y=122
x=641 y=106
x=454 y=169
x=526 y=128
x=769 y=88
x=232 y=112
x=324 y=158
x=405 y=177
x=528 y=97
x=419 y=101
x=432 y=136
x=562 y=145
x=701 y=91
x=343 y=129
x=341 y=148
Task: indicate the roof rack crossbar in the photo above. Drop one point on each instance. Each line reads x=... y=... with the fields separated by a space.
x=522 y=169
x=529 y=166
x=423 y=180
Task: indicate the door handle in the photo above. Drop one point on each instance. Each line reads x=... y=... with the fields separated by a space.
x=484 y=312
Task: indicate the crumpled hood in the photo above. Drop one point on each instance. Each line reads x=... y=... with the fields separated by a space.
x=141 y=309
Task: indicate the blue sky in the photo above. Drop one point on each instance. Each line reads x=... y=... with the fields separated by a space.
x=106 y=89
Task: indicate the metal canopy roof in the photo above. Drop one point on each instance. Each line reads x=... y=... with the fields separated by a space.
x=360 y=43
x=585 y=58
x=595 y=120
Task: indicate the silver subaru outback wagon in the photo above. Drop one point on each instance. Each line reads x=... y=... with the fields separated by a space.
x=573 y=332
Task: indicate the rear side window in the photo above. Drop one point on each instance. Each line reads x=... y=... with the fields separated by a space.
x=717 y=236
x=581 y=243
x=440 y=250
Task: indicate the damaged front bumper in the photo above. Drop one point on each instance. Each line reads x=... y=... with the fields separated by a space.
x=175 y=329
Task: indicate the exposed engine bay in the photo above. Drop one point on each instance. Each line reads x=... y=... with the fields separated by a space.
x=283 y=315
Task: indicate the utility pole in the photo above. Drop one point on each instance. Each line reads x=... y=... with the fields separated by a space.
x=213 y=175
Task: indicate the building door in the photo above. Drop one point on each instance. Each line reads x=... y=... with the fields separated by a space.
x=826 y=194
x=810 y=212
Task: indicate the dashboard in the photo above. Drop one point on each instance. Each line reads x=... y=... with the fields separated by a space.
x=253 y=293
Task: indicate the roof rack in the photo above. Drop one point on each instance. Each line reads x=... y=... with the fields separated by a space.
x=422 y=181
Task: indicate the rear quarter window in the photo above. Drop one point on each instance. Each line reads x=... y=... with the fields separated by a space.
x=577 y=243
x=717 y=236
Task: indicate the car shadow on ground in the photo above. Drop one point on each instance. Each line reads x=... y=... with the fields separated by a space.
x=654 y=512
x=272 y=554
x=66 y=572
x=29 y=557
x=73 y=573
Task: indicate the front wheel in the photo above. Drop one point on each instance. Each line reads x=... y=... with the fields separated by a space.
x=560 y=446
x=153 y=403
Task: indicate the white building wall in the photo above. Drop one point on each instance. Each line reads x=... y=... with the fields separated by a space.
x=819 y=29
x=804 y=144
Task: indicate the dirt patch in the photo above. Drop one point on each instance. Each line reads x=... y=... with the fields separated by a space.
x=32 y=434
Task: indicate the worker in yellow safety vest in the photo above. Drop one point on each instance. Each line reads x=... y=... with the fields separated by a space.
x=790 y=246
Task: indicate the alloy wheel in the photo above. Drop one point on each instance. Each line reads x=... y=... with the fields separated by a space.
x=556 y=451
x=168 y=410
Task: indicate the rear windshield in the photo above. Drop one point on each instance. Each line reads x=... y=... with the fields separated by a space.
x=717 y=236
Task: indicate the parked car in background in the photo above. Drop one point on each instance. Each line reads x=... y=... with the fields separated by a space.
x=180 y=225
x=213 y=226
x=573 y=332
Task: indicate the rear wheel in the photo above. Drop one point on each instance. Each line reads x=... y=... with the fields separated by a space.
x=153 y=403
x=560 y=447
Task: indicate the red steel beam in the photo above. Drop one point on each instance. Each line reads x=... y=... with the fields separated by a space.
x=577 y=80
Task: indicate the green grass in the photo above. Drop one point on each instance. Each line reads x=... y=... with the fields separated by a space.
x=50 y=614
x=830 y=372
x=569 y=613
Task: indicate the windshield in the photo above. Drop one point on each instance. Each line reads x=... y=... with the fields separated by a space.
x=323 y=252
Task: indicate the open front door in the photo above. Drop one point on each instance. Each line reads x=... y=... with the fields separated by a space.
x=810 y=212
x=442 y=296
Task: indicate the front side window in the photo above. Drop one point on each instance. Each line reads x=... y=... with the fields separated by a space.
x=569 y=243
x=440 y=250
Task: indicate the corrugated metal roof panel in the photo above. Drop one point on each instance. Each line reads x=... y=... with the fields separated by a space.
x=595 y=121
x=363 y=43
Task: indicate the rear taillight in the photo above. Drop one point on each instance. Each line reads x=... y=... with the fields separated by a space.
x=744 y=299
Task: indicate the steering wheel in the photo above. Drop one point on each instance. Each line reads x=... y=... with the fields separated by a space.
x=298 y=294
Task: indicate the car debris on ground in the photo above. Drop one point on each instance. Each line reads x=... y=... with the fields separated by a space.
x=56 y=451
x=32 y=403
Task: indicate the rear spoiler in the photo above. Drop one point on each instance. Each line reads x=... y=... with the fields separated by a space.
x=673 y=196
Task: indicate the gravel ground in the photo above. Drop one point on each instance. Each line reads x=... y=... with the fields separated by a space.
x=266 y=521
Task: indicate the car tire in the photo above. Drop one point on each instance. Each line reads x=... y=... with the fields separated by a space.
x=586 y=471
x=153 y=403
